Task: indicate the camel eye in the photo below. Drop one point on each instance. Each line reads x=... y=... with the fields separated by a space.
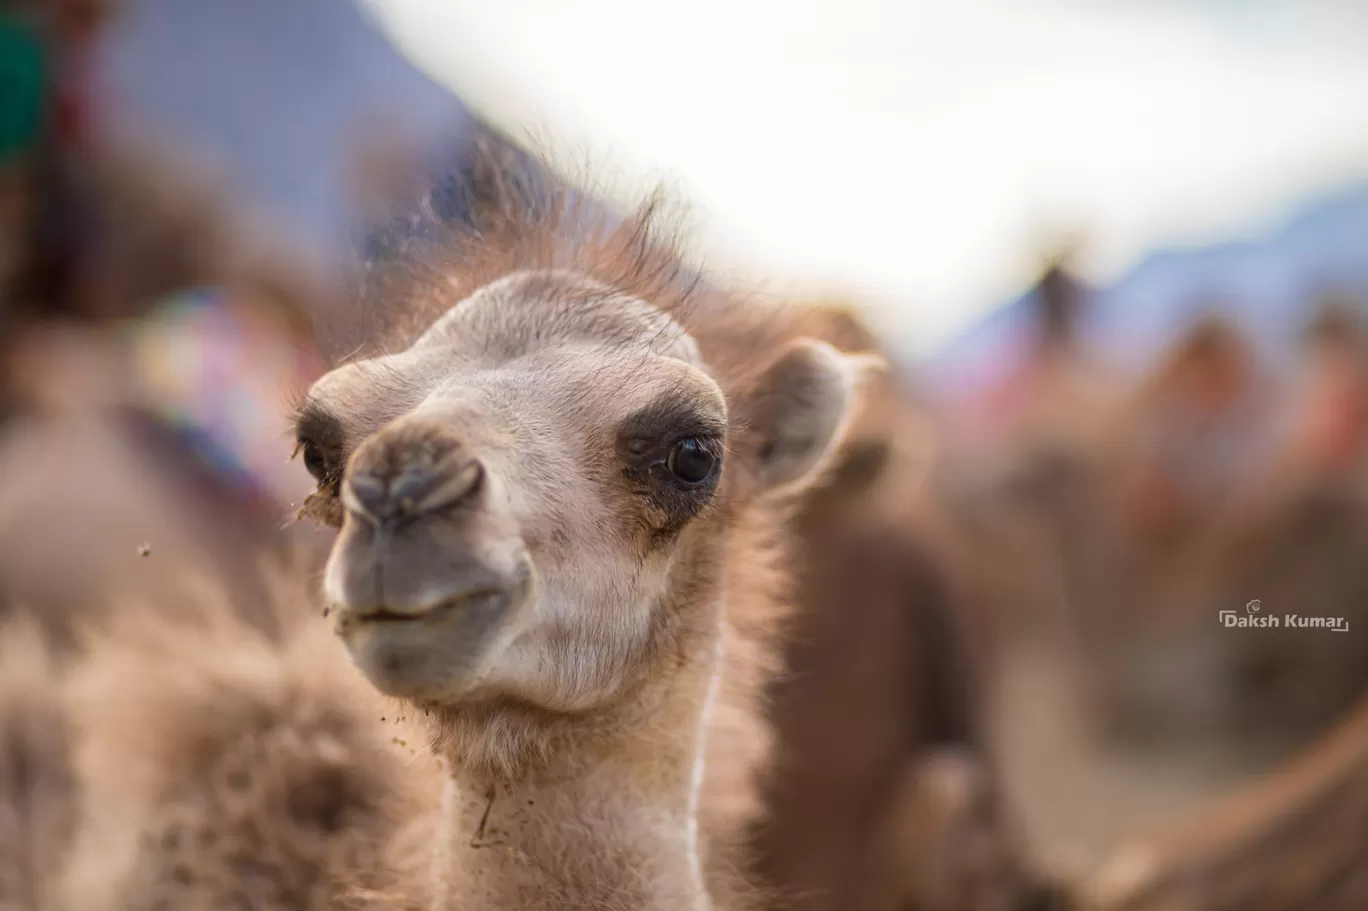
x=690 y=462
x=315 y=462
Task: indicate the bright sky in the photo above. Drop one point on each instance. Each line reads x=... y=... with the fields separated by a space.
x=911 y=149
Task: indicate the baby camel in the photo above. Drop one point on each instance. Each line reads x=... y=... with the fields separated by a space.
x=561 y=504
x=558 y=510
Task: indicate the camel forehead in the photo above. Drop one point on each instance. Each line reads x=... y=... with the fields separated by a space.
x=530 y=311
x=535 y=333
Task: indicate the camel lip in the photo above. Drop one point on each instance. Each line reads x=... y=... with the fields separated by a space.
x=438 y=653
x=386 y=615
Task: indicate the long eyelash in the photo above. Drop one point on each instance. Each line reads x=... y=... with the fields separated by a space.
x=299 y=400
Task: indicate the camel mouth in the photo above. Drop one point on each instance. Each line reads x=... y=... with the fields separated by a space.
x=437 y=653
x=384 y=614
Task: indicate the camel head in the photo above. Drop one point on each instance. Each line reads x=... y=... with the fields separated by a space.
x=536 y=496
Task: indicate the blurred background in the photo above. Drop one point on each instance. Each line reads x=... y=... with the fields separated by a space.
x=1117 y=251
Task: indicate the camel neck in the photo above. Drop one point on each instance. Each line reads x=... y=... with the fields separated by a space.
x=607 y=820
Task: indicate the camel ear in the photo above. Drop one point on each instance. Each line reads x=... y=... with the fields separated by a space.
x=800 y=408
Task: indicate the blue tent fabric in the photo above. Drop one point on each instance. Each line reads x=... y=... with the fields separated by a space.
x=272 y=92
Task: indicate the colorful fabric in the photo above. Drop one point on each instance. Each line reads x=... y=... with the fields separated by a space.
x=24 y=78
x=223 y=370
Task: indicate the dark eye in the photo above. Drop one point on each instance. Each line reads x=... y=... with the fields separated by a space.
x=690 y=462
x=315 y=461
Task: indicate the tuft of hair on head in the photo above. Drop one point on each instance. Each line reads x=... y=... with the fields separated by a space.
x=211 y=750
x=38 y=796
x=504 y=210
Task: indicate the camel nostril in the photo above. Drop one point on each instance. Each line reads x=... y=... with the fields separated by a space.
x=366 y=494
x=410 y=488
x=413 y=492
x=455 y=487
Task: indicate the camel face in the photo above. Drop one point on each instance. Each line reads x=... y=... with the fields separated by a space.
x=516 y=489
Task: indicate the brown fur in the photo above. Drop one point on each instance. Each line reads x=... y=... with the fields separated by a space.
x=525 y=221
x=37 y=789
x=883 y=672
x=223 y=768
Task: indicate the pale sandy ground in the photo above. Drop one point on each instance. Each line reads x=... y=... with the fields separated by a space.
x=1077 y=800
